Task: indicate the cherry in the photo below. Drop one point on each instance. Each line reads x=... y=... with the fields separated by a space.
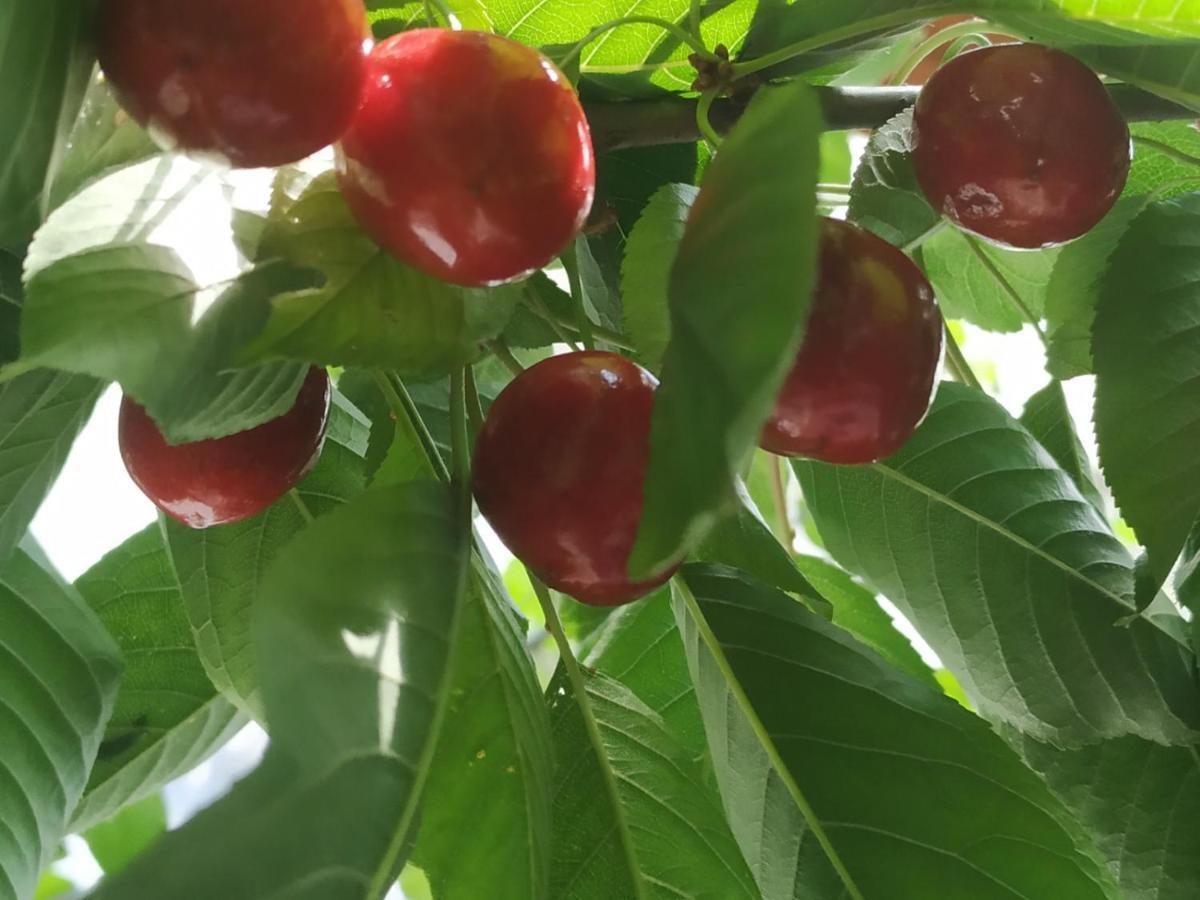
x=226 y=479
x=558 y=472
x=1021 y=144
x=469 y=158
x=252 y=82
x=865 y=374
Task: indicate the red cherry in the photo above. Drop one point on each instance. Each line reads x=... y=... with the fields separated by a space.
x=470 y=157
x=865 y=375
x=559 y=467
x=253 y=82
x=1020 y=144
x=231 y=478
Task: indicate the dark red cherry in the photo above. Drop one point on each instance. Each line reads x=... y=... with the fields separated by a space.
x=1021 y=144
x=559 y=467
x=865 y=375
x=252 y=82
x=231 y=478
x=470 y=157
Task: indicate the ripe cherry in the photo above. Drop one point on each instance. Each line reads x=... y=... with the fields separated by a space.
x=259 y=83
x=865 y=374
x=558 y=472
x=1021 y=144
x=231 y=478
x=469 y=158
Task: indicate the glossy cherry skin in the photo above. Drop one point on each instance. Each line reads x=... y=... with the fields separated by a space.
x=226 y=479
x=469 y=158
x=865 y=374
x=558 y=472
x=249 y=82
x=1020 y=144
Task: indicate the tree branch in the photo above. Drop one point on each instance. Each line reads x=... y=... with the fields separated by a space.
x=672 y=120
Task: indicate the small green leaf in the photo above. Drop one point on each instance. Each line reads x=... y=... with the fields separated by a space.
x=168 y=716
x=884 y=196
x=372 y=310
x=941 y=527
x=739 y=292
x=818 y=797
x=1146 y=343
x=120 y=840
x=59 y=671
x=646 y=270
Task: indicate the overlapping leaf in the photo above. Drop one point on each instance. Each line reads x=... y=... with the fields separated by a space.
x=739 y=293
x=168 y=716
x=826 y=804
x=1048 y=419
x=59 y=670
x=941 y=527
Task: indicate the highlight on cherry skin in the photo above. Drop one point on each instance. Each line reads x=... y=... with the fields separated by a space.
x=558 y=472
x=866 y=372
x=246 y=83
x=469 y=158
x=223 y=480
x=1020 y=144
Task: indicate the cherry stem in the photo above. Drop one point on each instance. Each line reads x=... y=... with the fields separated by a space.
x=671 y=28
x=916 y=243
x=957 y=363
x=1006 y=287
x=1167 y=150
x=703 y=120
x=301 y=506
x=694 y=19
x=567 y=333
x=779 y=496
x=502 y=353
x=460 y=450
x=401 y=404
x=973 y=28
x=583 y=322
x=474 y=406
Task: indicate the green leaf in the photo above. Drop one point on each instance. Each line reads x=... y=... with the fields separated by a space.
x=983 y=542
x=884 y=196
x=495 y=743
x=104 y=298
x=862 y=783
x=52 y=885
x=41 y=413
x=372 y=310
x=1156 y=168
x=12 y=295
x=739 y=292
x=59 y=671
x=221 y=569
x=168 y=716
x=356 y=628
x=646 y=270
x=966 y=274
x=45 y=60
x=856 y=610
x=120 y=840
x=631 y=846
x=1140 y=800
x=1146 y=343
x=1048 y=419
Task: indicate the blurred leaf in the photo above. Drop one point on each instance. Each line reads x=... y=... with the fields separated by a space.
x=221 y=569
x=495 y=743
x=12 y=295
x=355 y=627
x=52 y=885
x=989 y=549
x=856 y=610
x=44 y=68
x=826 y=804
x=628 y=811
x=1147 y=350
x=645 y=272
x=836 y=159
x=105 y=298
x=1048 y=419
x=41 y=413
x=120 y=840
x=1139 y=800
x=59 y=671
x=372 y=310
x=168 y=716
x=739 y=292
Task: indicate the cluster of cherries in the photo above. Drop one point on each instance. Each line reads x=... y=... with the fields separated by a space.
x=468 y=156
